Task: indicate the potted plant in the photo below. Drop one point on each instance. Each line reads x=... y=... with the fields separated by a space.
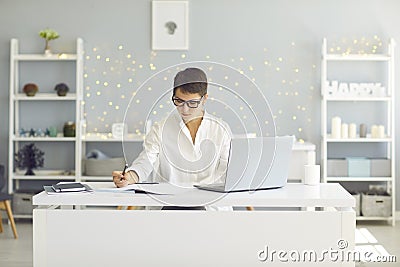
x=48 y=35
x=29 y=157
x=30 y=89
x=61 y=89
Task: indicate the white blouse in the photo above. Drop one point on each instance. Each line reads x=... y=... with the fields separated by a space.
x=170 y=154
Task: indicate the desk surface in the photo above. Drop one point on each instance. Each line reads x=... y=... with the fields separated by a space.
x=292 y=195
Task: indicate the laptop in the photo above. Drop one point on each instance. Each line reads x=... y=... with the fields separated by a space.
x=255 y=164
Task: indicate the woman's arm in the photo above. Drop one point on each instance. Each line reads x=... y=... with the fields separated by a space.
x=143 y=165
x=222 y=165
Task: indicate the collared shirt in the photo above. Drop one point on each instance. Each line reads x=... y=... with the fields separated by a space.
x=170 y=154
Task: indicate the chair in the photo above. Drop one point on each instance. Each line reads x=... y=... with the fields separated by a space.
x=5 y=204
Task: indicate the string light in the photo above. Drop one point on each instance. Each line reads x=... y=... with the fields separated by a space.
x=286 y=68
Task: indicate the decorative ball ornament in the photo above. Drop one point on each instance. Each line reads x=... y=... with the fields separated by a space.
x=30 y=89
x=61 y=89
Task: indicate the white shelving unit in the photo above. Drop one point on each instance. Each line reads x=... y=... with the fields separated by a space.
x=328 y=103
x=18 y=98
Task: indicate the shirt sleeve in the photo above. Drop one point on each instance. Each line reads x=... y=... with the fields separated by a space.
x=143 y=165
x=222 y=165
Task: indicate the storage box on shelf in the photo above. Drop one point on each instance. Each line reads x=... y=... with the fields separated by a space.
x=100 y=169
x=22 y=203
x=376 y=204
x=347 y=140
x=25 y=111
x=376 y=167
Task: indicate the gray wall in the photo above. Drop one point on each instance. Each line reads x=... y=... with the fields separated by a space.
x=254 y=36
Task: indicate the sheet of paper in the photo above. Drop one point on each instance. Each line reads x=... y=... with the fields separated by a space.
x=158 y=189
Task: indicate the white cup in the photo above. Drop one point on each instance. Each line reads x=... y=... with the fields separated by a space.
x=312 y=174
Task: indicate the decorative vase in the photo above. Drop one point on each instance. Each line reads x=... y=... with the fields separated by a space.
x=52 y=131
x=29 y=171
x=62 y=93
x=47 y=51
x=30 y=89
x=61 y=89
x=30 y=93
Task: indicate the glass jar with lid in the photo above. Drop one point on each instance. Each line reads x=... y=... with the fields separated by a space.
x=69 y=129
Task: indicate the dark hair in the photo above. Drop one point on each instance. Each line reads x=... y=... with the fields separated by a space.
x=191 y=81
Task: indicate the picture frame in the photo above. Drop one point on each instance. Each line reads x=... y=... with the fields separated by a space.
x=170 y=25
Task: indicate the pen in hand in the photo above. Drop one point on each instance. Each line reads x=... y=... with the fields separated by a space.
x=123 y=172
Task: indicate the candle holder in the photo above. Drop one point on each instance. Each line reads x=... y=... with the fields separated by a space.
x=363 y=130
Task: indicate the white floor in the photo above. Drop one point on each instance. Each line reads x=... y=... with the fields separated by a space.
x=371 y=236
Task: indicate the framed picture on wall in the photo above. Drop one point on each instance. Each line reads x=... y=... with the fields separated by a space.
x=170 y=23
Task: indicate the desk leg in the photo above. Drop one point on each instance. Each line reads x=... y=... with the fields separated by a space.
x=40 y=237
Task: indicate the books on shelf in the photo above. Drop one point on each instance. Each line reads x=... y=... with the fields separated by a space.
x=63 y=188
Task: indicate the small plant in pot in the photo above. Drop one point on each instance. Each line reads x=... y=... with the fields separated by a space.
x=48 y=35
x=61 y=89
x=29 y=157
x=30 y=89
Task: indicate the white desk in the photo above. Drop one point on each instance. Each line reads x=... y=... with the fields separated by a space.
x=108 y=237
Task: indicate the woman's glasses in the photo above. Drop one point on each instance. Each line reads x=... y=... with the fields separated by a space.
x=192 y=103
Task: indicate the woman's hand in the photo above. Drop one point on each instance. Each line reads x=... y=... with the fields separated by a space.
x=120 y=180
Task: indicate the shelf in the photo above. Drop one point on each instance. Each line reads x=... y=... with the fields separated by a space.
x=22 y=216
x=340 y=103
x=45 y=96
x=42 y=57
x=354 y=57
x=21 y=64
x=107 y=137
x=358 y=179
x=366 y=218
x=357 y=99
x=44 y=139
x=358 y=140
